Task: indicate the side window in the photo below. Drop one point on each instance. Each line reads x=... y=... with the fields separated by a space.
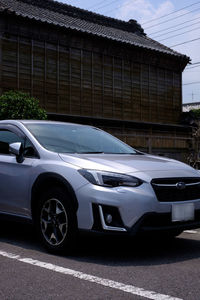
x=7 y=137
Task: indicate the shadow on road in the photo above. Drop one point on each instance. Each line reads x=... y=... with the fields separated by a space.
x=113 y=251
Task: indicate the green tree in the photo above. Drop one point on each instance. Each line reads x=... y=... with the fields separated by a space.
x=19 y=105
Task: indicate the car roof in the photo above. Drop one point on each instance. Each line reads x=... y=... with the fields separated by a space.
x=24 y=122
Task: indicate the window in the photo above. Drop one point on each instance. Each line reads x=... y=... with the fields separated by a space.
x=73 y=138
x=8 y=137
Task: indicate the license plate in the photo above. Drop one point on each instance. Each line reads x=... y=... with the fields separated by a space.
x=182 y=212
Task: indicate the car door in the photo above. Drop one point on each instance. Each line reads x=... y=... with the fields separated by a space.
x=14 y=176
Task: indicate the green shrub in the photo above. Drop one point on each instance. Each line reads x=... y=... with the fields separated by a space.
x=196 y=113
x=19 y=105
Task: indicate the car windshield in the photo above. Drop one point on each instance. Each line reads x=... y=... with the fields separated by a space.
x=70 y=138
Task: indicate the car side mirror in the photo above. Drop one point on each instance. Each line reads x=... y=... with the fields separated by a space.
x=17 y=149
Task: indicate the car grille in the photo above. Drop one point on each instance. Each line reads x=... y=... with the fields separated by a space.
x=176 y=189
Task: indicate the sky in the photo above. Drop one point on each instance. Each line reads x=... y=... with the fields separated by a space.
x=171 y=22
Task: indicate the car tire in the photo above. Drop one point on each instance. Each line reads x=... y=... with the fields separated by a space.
x=164 y=235
x=173 y=233
x=56 y=221
x=169 y=234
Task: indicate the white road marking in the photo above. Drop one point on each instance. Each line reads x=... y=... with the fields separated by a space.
x=101 y=281
x=190 y=231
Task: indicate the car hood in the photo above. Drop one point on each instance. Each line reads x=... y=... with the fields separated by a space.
x=129 y=163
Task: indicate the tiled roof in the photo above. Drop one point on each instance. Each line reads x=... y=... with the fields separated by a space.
x=69 y=17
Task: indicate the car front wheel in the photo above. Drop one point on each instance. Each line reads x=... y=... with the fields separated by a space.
x=56 y=221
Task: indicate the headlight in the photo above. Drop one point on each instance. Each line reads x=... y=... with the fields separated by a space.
x=109 y=179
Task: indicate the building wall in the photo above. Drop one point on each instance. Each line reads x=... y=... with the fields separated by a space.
x=76 y=75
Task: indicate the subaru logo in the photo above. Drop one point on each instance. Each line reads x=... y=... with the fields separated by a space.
x=181 y=185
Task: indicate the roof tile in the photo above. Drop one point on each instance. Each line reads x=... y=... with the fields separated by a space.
x=70 y=17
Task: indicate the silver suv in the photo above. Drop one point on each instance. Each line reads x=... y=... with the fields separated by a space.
x=67 y=177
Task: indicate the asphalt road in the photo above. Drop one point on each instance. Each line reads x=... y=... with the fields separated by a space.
x=100 y=268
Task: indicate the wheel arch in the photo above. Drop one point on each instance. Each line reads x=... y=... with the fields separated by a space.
x=46 y=180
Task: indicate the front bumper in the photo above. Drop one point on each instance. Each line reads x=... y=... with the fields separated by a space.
x=132 y=209
x=149 y=222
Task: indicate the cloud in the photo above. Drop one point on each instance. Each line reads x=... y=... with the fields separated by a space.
x=143 y=10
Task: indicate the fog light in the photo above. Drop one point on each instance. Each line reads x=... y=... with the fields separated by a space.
x=108 y=218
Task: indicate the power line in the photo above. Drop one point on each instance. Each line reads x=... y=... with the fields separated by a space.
x=176 y=29
x=170 y=37
x=185 y=42
x=195 y=82
x=196 y=63
x=170 y=13
x=174 y=26
x=189 y=12
x=188 y=71
x=107 y=4
x=93 y=6
x=127 y=3
x=189 y=68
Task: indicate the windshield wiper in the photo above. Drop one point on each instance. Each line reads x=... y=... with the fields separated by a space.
x=101 y=152
x=91 y=152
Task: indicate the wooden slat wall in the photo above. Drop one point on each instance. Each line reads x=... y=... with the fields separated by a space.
x=171 y=144
x=136 y=91
x=64 y=80
x=97 y=84
x=87 y=99
x=9 y=65
x=82 y=82
x=36 y=71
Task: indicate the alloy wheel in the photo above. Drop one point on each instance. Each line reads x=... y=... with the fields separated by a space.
x=54 y=222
